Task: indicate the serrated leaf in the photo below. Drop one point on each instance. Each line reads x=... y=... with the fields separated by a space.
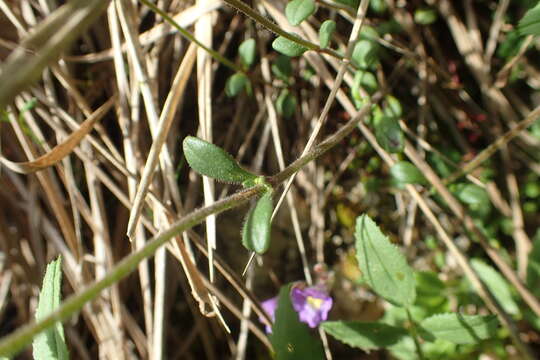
x=256 y=231
x=325 y=33
x=299 y=10
x=459 y=329
x=364 y=335
x=50 y=344
x=389 y=134
x=235 y=84
x=533 y=266
x=497 y=285
x=212 y=161
x=286 y=104
x=288 y=47
x=383 y=266
x=291 y=338
x=425 y=16
x=530 y=23
x=406 y=173
x=247 y=52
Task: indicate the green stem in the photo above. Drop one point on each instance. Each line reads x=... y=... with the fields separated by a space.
x=414 y=334
x=241 y=6
x=14 y=342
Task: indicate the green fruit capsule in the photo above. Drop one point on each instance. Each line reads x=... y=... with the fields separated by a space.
x=256 y=231
x=212 y=161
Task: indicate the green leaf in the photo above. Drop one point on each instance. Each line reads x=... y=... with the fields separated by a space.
x=247 y=52
x=393 y=107
x=282 y=67
x=325 y=33
x=288 y=47
x=235 y=84
x=533 y=266
x=497 y=285
x=383 y=266
x=286 y=104
x=431 y=292
x=530 y=23
x=365 y=54
x=425 y=16
x=366 y=80
x=50 y=344
x=406 y=173
x=291 y=339
x=364 y=335
x=472 y=194
x=212 y=161
x=378 y=6
x=299 y=10
x=256 y=231
x=459 y=329
x=389 y=134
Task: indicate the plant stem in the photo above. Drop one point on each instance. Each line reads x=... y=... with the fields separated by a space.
x=414 y=333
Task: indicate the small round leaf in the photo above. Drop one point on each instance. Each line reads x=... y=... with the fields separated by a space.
x=247 y=52
x=288 y=47
x=365 y=55
x=406 y=173
x=299 y=10
x=425 y=16
x=325 y=33
x=212 y=161
x=236 y=83
x=286 y=104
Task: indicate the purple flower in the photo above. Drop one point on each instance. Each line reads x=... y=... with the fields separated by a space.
x=311 y=303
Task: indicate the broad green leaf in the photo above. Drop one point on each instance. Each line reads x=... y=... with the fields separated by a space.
x=389 y=134
x=247 y=52
x=364 y=335
x=256 y=231
x=406 y=173
x=291 y=339
x=366 y=80
x=235 y=84
x=299 y=10
x=286 y=104
x=288 y=47
x=472 y=194
x=431 y=292
x=533 y=266
x=383 y=266
x=497 y=285
x=530 y=23
x=282 y=68
x=325 y=33
x=51 y=343
x=425 y=16
x=365 y=54
x=459 y=329
x=212 y=161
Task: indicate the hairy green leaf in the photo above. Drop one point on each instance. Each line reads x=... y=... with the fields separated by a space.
x=459 y=329
x=325 y=33
x=288 y=47
x=291 y=338
x=383 y=266
x=50 y=344
x=299 y=10
x=212 y=161
x=256 y=231
x=364 y=335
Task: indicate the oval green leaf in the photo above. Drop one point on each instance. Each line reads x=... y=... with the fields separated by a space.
x=425 y=16
x=389 y=134
x=247 y=52
x=212 y=161
x=256 y=231
x=299 y=10
x=366 y=80
x=365 y=55
x=459 y=329
x=286 y=104
x=288 y=47
x=404 y=172
x=325 y=33
x=383 y=266
x=282 y=67
x=235 y=84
